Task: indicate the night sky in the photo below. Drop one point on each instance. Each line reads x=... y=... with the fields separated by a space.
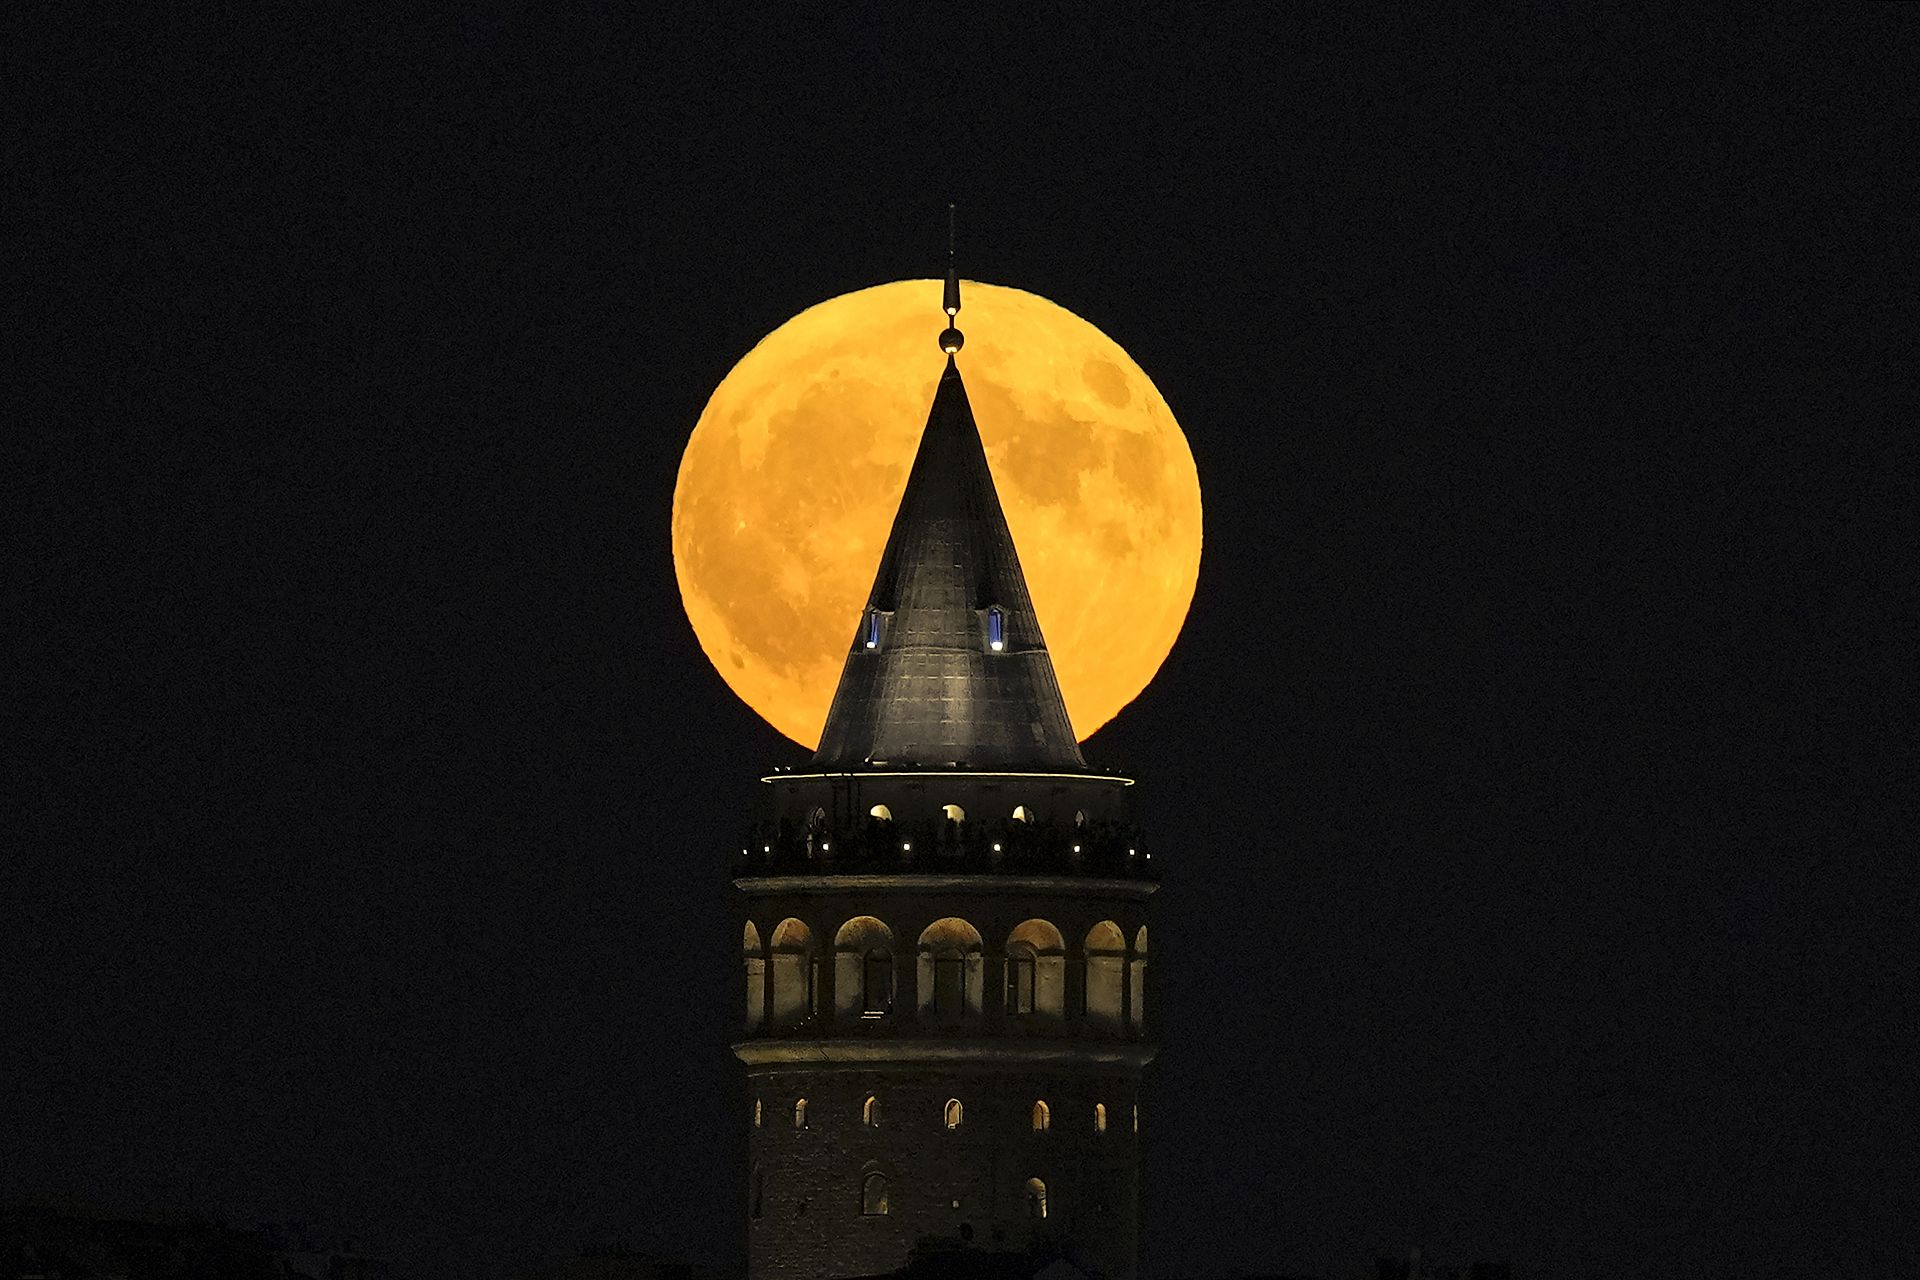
x=1539 y=860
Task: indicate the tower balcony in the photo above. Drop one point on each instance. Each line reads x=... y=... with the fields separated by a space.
x=885 y=846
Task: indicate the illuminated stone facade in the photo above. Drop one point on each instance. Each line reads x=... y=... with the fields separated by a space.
x=877 y=1083
x=945 y=935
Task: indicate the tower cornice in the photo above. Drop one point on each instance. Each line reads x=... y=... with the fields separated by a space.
x=1011 y=1055
x=1089 y=886
x=951 y=771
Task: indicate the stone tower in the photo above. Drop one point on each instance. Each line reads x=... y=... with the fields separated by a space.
x=945 y=927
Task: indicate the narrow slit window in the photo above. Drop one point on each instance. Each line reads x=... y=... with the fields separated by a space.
x=873 y=629
x=870 y=1111
x=800 y=1113
x=996 y=628
x=1099 y=1117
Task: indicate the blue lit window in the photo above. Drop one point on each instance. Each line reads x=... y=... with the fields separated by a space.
x=873 y=628
x=996 y=629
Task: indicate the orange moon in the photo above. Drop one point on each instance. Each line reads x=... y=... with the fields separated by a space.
x=790 y=481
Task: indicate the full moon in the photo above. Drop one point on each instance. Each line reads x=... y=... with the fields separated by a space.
x=793 y=473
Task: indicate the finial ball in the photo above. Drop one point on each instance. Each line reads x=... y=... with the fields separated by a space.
x=951 y=340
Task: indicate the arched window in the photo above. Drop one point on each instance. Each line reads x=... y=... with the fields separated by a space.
x=756 y=972
x=875 y=628
x=1036 y=971
x=950 y=971
x=1042 y=1116
x=799 y=1113
x=1099 y=1117
x=756 y=1113
x=955 y=1113
x=1080 y=818
x=954 y=812
x=792 y=963
x=863 y=969
x=1022 y=814
x=1137 y=1006
x=1036 y=1198
x=870 y=1111
x=996 y=628
x=881 y=812
x=873 y=1194
x=1106 y=960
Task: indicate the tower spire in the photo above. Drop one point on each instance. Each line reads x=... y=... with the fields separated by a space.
x=951 y=339
x=948 y=666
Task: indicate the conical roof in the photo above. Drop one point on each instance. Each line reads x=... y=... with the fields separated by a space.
x=924 y=683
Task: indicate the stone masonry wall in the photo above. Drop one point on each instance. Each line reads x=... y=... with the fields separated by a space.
x=965 y=1183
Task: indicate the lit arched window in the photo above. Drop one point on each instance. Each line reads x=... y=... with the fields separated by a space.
x=756 y=1113
x=996 y=628
x=1136 y=1117
x=1106 y=950
x=1036 y=971
x=955 y=1113
x=870 y=1111
x=792 y=966
x=1022 y=814
x=799 y=1113
x=1080 y=818
x=873 y=1194
x=756 y=971
x=1036 y=1198
x=863 y=969
x=1042 y=1117
x=881 y=812
x=954 y=812
x=1137 y=1006
x=950 y=971
x=1099 y=1117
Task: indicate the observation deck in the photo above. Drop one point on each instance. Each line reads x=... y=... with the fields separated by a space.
x=1108 y=850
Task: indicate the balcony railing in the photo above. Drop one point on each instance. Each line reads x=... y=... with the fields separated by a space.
x=876 y=846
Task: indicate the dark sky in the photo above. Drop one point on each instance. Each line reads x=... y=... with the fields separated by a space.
x=1539 y=857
